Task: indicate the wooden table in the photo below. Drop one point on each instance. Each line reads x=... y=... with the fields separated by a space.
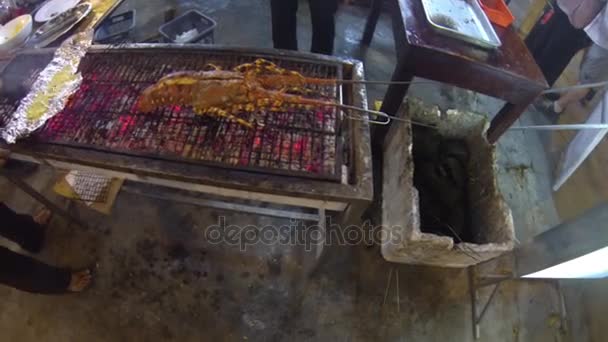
x=509 y=73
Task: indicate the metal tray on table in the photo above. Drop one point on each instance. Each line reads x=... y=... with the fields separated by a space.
x=59 y=25
x=462 y=19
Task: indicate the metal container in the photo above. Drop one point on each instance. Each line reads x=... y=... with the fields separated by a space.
x=58 y=26
x=191 y=20
x=462 y=19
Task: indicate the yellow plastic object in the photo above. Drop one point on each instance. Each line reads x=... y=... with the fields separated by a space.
x=377 y=105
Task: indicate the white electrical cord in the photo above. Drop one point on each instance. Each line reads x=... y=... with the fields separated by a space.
x=548 y=91
x=575 y=87
x=390 y=117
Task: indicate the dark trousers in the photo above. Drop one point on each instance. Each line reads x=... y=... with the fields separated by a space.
x=20 y=271
x=554 y=41
x=284 y=23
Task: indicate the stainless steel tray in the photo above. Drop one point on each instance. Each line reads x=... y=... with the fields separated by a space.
x=462 y=19
x=58 y=26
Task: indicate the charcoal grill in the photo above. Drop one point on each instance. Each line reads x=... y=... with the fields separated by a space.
x=312 y=159
x=102 y=115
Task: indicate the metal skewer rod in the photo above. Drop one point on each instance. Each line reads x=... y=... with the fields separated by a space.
x=381 y=82
x=368 y=111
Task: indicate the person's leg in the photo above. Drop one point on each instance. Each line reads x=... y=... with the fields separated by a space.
x=594 y=68
x=27 y=274
x=554 y=41
x=284 y=23
x=568 y=98
x=25 y=230
x=323 y=16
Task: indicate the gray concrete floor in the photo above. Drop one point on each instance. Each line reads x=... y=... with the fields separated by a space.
x=160 y=279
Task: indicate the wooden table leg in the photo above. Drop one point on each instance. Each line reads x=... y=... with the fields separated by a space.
x=370 y=23
x=505 y=119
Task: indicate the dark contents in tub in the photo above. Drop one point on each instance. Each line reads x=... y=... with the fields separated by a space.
x=441 y=176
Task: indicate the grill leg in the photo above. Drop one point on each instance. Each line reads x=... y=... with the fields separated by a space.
x=320 y=248
x=351 y=216
x=353 y=213
x=40 y=198
x=475 y=284
x=322 y=225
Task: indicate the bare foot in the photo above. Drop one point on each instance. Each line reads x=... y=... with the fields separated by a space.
x=43 y=217
x=80 y=281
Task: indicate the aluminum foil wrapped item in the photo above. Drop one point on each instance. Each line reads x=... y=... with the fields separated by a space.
x=51 y=90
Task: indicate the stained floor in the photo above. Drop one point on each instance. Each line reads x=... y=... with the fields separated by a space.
x=161 y=278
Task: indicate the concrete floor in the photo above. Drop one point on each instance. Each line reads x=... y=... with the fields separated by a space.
x=160 y=279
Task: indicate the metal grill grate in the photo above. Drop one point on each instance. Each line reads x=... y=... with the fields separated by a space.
x=102 y=115
x=91 y=187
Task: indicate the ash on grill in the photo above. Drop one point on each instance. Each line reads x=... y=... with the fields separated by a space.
x=103 y=115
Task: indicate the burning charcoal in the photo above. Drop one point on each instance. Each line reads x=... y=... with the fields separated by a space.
x=103 y=113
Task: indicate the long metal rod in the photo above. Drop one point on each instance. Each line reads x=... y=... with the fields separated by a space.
x=604 y=112
x=397 y=284
x=389 y=118
x=491 y=281
x=487 y=305
x=575 y=87
x=368 y=111
x=40 y=198
x=388 y=285
x=473 y=287
x=321 y=250
x=548 y=91
x=473 y=294
x=322 y=222
x=225 y=205
x=382 y=82
x=563 y=313
x=561 y=127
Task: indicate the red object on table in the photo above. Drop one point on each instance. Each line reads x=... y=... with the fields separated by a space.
x=498 y=12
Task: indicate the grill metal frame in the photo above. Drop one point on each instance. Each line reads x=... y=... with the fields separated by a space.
x=315 y=136
x=355 y=191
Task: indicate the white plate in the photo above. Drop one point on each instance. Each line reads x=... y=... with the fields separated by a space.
x=15 y=32
x=53 y=8
x=60 y=25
